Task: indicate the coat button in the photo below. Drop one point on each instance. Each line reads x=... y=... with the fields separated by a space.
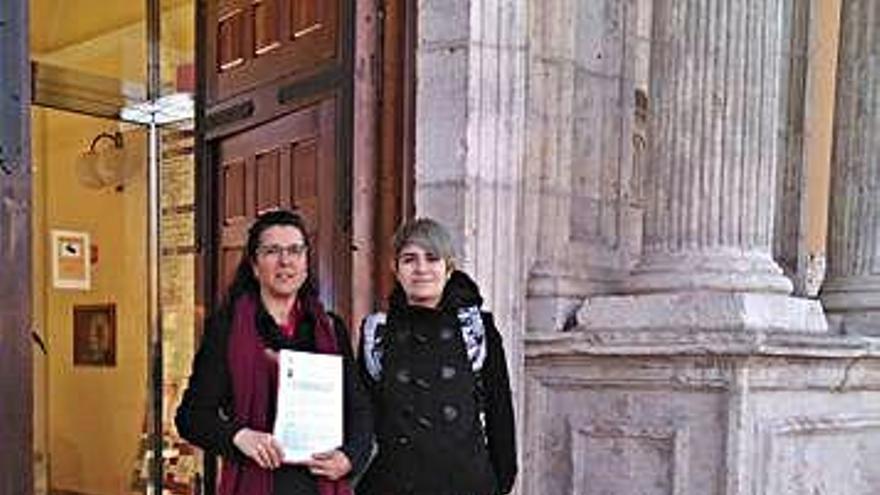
x=447 y=372
x=420 y=338
x=403 y=376
x=450 y=413
x=447 y=333
x=403 y=440
x=424 y=422
x=423 y=384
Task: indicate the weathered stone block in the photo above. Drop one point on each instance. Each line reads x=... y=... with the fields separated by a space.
x=701 y=413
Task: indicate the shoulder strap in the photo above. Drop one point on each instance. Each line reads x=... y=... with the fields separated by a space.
x=473 y=332
x=372 y=333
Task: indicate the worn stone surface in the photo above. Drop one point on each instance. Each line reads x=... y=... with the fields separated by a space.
x=704 y=310
x=701 y=413
x=712 y=161
x=580 y=177
x=545 y=138
x=712 y=156
x=852 y=291
x=791 y=219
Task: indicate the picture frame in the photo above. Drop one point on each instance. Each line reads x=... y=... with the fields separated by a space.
x=71 y=260
x=94 y=335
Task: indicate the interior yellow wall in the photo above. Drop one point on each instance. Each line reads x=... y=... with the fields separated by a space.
x=95 y=414
x=89 y=420
x=821 y=78
x=121 y=52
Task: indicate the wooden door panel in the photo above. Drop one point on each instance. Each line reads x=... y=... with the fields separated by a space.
x=289 y=162
x=256 y=41
x=230 y=40
x=267 y=26
x=306 y=16
x=304 y=176
x=229 y=262
x=268 y=170
x=233 y=191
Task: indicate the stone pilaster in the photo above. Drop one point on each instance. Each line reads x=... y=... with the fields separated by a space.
x=584 y=221
x=852 y=292
x=700 y=413
x=711 y=176
x=470 y=107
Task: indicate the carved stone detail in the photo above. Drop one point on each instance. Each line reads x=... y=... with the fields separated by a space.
x=818 y=454
x=784 y=414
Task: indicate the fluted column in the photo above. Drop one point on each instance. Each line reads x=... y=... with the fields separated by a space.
x=852 y=292
x=710 y=178
x=712 y=154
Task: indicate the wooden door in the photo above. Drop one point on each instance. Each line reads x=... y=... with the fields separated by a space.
x=288 y=162
x=256 y=41
x=276 y=129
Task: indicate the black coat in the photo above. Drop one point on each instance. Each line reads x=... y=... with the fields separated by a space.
x=205 y=415
x=441 y=427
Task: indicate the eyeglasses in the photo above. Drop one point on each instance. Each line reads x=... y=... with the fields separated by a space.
x=276 y=250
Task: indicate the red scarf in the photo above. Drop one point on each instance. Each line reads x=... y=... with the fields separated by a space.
x=254 y=383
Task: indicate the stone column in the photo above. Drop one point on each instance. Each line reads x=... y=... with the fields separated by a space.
x=470 y=105
x=583 y=220
x=852 y=292
x=711 y=177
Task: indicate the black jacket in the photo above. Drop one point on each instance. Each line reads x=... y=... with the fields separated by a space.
x=205 y=415
x=441 y=427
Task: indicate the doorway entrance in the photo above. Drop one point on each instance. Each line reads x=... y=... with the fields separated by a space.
x=115 y=261
x=144 y=175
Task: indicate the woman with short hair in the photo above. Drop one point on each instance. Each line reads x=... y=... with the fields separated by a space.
x=437 y=373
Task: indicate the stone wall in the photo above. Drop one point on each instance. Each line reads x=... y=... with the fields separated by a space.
x=639 y=193
x=704 y=413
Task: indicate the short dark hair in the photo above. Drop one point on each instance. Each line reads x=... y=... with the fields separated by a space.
x=429 y=235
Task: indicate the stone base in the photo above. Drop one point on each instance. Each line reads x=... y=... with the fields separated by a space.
x=556 y=312
x=701 y=413
x=706 y=310
x=555 y=293
x=855 y=323
x=853 y=305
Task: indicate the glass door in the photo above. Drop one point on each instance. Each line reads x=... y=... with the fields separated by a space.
x=115 y=255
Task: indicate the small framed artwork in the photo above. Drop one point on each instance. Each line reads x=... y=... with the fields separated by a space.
x=71 y=260
x=94 y=335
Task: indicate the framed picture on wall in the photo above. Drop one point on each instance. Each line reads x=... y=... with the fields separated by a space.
x=71 y=260
x=94 y=335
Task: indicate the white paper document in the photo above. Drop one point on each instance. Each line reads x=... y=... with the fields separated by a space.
x=308 y=418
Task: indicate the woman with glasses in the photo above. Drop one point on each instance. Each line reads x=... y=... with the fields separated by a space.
x=229 y=405
x=436 y=370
